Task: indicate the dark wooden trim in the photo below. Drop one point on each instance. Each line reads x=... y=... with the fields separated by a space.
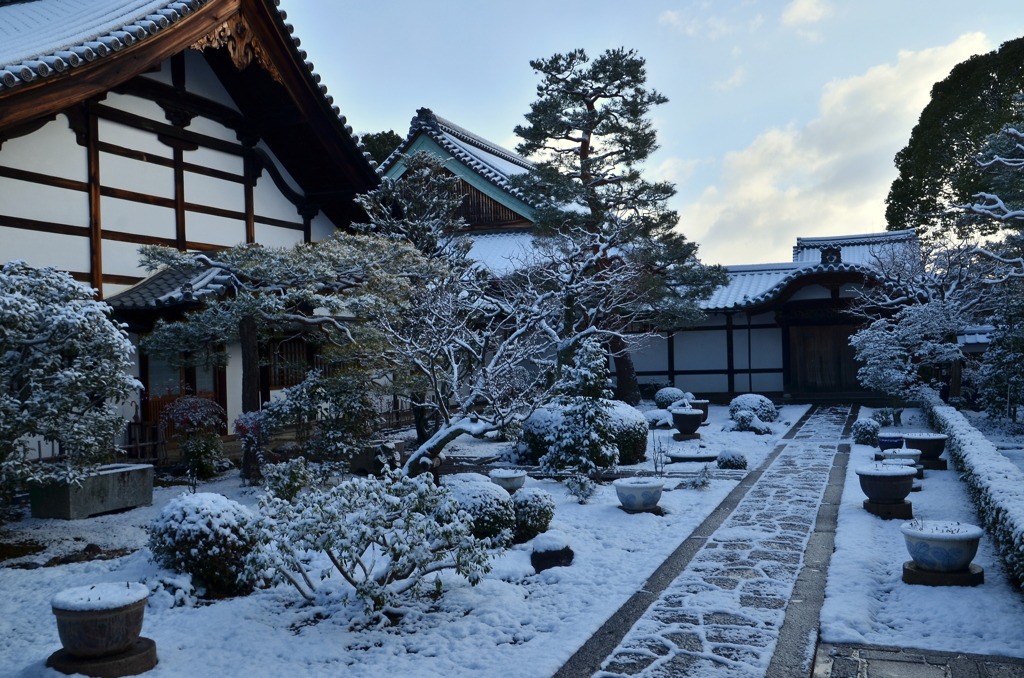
x=138 y=238
x=214 y=211
x=269 y=221
x=80 y=276
x=179 y=199
x=132 y=196
x=684 y=373
x=95 y=222
x=722 y=328
x=215 y=173
x=121 y=279
x=152 y=158
x=44 y=179
x=163 y=129
x=179 y=98
x=44 y=226
x=787 y=362
x=671 y=357
x=250 y=201
x=204 y=246
x=729 y=346
x=46 y=96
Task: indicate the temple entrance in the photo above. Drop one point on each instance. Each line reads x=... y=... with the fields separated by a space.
x=822 y=360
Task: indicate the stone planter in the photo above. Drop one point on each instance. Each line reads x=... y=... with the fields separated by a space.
x=889 y=442
x=903 y=453
x=509 y=479
x=639 y=493
x=100 y=620
x=111 y=488
x=931 y=445
x=703 y=406
x=687 y=420
x=886 y=484
x=938 y=546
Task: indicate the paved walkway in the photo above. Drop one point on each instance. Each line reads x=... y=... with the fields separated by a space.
x=742 y=595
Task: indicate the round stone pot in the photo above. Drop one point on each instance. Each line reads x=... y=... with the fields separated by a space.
x=939 y=546
x=889 y=442
x=931 y=445
x=638 y=493
x=903 y=453
x=100 y=620
x=687 y=420
x=886 y=484
x=509 y=479
x=701 y=405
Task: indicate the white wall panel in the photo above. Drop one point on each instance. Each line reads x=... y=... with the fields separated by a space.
x=739 y=349
x=43 y=203
x=122 y=258
x=135 y=139
x=200 y=79
x=131 y=104
x=284 y=172
x=275 y=236
x=767 y=382
x=811 y=292
x=163 y=74
x=763 y=318
x=134 y=175
x=126 y=216
x=109 y=290
x=204 y=190
x=767 y=348
x=212 y=128
x=651 y=355
x=225 y=162
x=700 y=384
x=701 y=350
x=270 y=202
x=51 y=150
x=321 y=227
x=713 y=320
x=66 y=252
x=214 y=230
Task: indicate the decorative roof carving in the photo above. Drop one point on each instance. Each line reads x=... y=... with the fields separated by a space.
x=241 y=43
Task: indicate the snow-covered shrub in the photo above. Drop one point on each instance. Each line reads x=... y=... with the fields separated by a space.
x=207 y=536
x=580 y=487
x=658 y=418
x=666 y=396
x=731 y=459
x=747 y=420
x=758 y=404
x=703 y=480
x=490 y=507
x=168 y=591
x=382 y=536
x=629 y=432
x=865 y=432
x=534 y=509
x=883 y=415
x=995 y=483
x=254 y=434
x=195 y=423
x=286 y=480
x=621 y=431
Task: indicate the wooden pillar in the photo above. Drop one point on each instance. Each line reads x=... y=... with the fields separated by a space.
x=179 y=199
x=730 y=364
x=95 y=226
x=671 y=358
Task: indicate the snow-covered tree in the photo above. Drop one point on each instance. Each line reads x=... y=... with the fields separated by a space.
x=590 y=133
x=64 y=365
x=1001 y=374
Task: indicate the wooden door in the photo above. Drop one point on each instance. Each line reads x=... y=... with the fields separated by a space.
x=822 y=359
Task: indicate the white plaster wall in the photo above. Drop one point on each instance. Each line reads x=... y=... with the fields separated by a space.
x=121 y=258
x=763 y=318
x=214 y=230
x=208 y=157
x=713 y=320
x=741 y=383
x=651 y=354
x=767 y=382
x=811 y=292
x=204 y=190
x=739 y=349
x=129 y=137
x=321 y=228
x=275 y=236
x=50 y=150
x=700 y=350
x=162 y=74
x=233 y=374
x=127 y=216
x=284 y=172
x=110 y=289
x=212 y=128
x=270 y=202
x=138 y=106
x=66 y=252
x=700 y=384
x=200 y=79
x=29 y=200
x=133 y=175
x=767 y=348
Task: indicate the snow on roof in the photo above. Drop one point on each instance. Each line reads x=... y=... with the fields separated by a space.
x=975 y=334
x=489 y=160
x=855 y=249
x=168 y=287
x=500 y=253
x=751 y=285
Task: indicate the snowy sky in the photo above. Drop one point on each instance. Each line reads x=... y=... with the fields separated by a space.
x=782 y=121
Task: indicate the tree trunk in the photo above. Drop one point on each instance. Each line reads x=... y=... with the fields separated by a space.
x=627 y=388
x=420 y=418
x=250 y=386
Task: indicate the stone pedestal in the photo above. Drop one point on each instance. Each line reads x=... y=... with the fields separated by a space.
x=139 y=659
x=111 y=488
x=920 y=471
x=685 y=436
x=705 y=458
x=916 y=487
x=903 y=510
x=935 y=464
x=912 y=574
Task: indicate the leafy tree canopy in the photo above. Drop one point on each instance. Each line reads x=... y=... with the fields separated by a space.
x=381 y=144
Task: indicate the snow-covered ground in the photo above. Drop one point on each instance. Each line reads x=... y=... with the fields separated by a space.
x=866 y=600
x=515 y=623
x=1008 y=442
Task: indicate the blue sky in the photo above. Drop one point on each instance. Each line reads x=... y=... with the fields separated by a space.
x=783 y=117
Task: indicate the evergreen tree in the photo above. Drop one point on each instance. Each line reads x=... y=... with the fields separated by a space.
x=380 y=145
x=590 y=133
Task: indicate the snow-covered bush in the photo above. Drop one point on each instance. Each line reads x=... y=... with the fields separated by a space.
x=621 y=432
x=535 y=510
x=629 y=432
x=731 y=459
x=747 y=420
x=666 y=396
x=195 y=423
x=490 y=507
x=580 y=487
x=883 y=415
x=254 y=434
x=995 y=483
x=758 y=404
x=207 y=536
x=64 y=365
x=702 y=481
x=865 y=432
x=383 y=536
x=287 y=479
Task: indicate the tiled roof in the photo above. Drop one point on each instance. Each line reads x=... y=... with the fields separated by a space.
x=489 y=160
x=169 y=287
x=856 y=249
x=755 y=284
x=975 y=334
x=45 y=38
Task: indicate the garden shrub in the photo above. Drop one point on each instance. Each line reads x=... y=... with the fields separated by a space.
x=619 y=425
x=747 y=420
x=883 y=416
x=666 y=396
x=865 y=432
x=490 y=507
x=195 y=423
x=758 y=404
x=534 y=509
x=580 y=487
x=207 y=536
x=629 y=432
x=287 y=479
x=731 y=459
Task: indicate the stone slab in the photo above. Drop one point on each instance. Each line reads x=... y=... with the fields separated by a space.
x=680 y=437
x=679 y=458
x=935 y=464
x=139 y=659
x=912 y=574
x=902 y=511
x=111 y=488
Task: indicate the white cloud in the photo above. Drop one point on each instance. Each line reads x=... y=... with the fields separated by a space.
x=692 y=23
x=828 y=177
x=675 y=170
x=734 y=80
x=801 y=12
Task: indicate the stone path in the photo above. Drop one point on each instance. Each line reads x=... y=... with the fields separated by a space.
x=725 y=611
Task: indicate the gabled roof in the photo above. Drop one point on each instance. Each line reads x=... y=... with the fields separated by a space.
x=489 y=160
x=858 y=249
x=169 y=287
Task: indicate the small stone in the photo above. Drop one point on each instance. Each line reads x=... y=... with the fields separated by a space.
x=762 y=602
x=686 y=641
x=548 y=559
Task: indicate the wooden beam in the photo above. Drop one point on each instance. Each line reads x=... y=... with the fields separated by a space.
x=179 y=199
x=95 y=225
x=44 y=226
x=45 y=179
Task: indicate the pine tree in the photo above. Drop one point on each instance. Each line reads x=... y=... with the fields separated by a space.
x=589 y=131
